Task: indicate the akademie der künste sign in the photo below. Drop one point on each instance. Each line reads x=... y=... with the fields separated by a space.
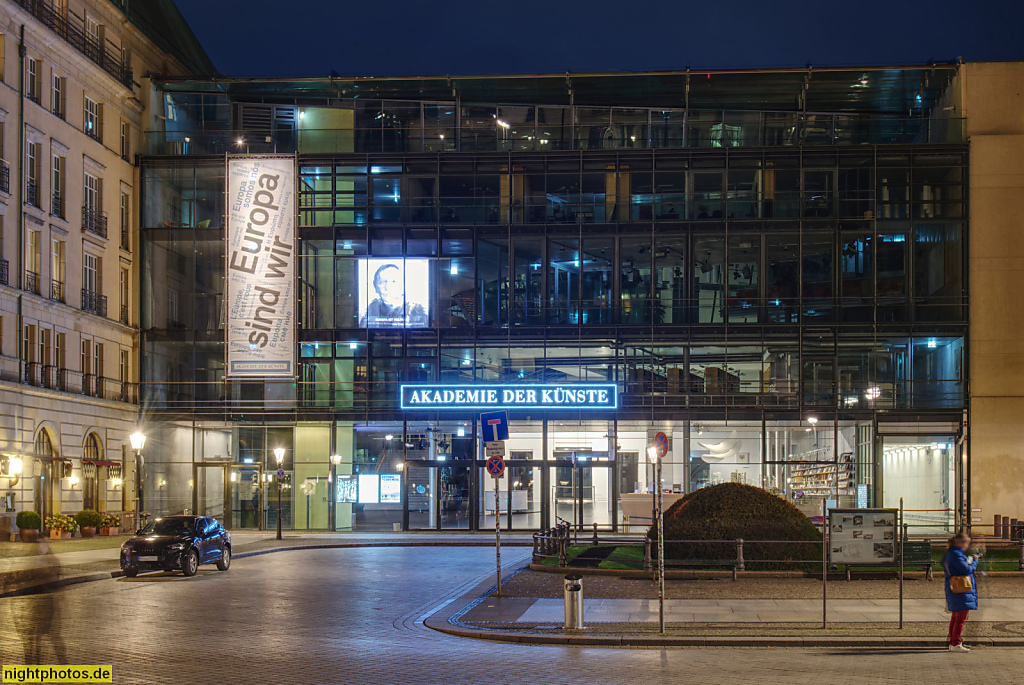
x=579 y=396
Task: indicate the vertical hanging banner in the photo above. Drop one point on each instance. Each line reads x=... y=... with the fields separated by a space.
x=261 y=266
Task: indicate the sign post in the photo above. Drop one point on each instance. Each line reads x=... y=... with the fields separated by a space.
x=496 y=468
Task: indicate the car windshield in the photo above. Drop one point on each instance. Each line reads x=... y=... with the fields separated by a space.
x=169 y=527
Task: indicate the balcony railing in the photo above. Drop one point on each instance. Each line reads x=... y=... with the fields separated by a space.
x=32 y=192
x=94 y=303
x=5 y=176
x=57 y=208
x=124 y=237
x=107 y=59
x=32 y=282
x=124 y=314
x=4 y=272
x=57 y=290
x=94 y=221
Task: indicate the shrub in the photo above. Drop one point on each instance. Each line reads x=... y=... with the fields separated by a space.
x=28 y=520
x=89 y=518
x=110 y=521
x=732 y=510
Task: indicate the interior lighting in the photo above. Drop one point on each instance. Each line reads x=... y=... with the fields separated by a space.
x=932 y=344
x=454 y=270
x=873 y=393
x=240 y=142
x=279 y=454
x=812 y=420
x=461 y=432
x=388 y=437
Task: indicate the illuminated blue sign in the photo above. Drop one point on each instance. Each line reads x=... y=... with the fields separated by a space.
x=549 y=396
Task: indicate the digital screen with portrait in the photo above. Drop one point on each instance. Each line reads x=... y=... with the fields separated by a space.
x=394 y=293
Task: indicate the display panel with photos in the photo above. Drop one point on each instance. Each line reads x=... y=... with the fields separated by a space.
x=393 y=292
x=863 y=536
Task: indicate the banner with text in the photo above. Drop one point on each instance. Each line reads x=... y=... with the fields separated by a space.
x=261 y=266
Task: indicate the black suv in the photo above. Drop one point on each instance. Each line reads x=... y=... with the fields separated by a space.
x=177 y=542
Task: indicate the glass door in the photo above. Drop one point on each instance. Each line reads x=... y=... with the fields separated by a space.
x=230 y=493
x=581 y=493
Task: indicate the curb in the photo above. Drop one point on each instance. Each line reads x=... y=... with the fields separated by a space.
x=698 y=641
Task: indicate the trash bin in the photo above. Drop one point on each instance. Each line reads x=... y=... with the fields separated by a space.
x=574 y=602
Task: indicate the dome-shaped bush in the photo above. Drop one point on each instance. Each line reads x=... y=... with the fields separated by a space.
x=730 y=511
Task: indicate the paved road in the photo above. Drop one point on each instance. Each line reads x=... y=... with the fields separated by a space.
x=351 y=616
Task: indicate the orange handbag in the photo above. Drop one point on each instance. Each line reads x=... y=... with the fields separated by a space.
x=959 y=585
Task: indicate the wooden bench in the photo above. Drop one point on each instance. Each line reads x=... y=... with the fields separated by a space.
x=914 y=554
x=702 y=563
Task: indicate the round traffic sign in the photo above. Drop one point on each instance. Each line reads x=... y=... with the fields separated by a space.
x=280 y=473
x=495 y=466
x=661 y=444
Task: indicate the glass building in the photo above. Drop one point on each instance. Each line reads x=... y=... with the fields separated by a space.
x=769 y=266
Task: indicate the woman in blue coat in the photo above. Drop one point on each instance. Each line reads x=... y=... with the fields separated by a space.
x=957 y=563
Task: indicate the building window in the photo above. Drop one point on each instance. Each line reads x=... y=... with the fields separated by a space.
x=33 y=84
x=90 y=481
x=57 y=184
x=33 y=238
x=32 y=173
x=93 y=300
x=126 y=377
x=172 y=308
x=57 y=269
x=91 y=273
x=125 y=294
x=59 y=104
x=59 y=361
x=94 y=220
x=94 y=119
x=125 y=140
x=125 y=217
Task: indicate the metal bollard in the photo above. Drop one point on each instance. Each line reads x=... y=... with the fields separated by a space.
x=562 y=559
x=574 y=602
x=740 y=564
x=997 y=528
x=595 y=534
x=647 y=554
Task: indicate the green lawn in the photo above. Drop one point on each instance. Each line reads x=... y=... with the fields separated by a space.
x=632 y=557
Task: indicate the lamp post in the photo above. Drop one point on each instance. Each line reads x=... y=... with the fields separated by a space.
x=138 y=441
x=332 y=509
x=652 y=454
x=279 y=455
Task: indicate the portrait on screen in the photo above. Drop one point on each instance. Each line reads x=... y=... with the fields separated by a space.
x=393 y=293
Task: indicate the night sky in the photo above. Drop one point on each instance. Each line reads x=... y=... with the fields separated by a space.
x=314 y=37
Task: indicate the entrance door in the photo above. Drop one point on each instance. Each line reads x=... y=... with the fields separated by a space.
x=518 y=496
x=437 y=496
x=230 y=493
x=581 y=494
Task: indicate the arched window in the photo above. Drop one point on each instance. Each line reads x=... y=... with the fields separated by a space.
x=90 y=480
x=48 y=473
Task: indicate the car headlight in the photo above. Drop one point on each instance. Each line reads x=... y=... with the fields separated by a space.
x=176 y=547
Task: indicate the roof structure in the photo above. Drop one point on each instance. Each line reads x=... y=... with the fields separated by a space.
x=892 y=90
x=162 y=23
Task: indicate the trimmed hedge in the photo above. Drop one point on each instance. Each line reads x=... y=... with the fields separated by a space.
x=732 y=510
x=28 y=520
x=89 y=518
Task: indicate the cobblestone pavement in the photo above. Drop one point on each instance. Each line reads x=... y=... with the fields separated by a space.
x=355 y=616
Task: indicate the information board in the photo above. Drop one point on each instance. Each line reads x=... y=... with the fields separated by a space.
x=863 y=536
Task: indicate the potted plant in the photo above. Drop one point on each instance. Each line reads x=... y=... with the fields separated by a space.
x=88 y=520
x=28 y=523
x=110 y=524
x=61 y=526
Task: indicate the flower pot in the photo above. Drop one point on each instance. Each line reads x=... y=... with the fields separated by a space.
x=104 y=530
x=88 y=532
x=30 y=535
x=65 y=536
x=55 y=534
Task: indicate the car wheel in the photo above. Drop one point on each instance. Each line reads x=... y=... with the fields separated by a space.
x=190 y=564
x=131 y=571
x=225 y=561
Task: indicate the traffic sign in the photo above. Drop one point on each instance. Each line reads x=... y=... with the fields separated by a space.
x=494 y=449
x=496 y=467
x=494 y=425
x=661 y=444
x=280 y=474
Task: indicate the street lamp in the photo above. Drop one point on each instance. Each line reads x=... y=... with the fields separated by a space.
x=138 y=441
x=659 y=519
x=279 y=455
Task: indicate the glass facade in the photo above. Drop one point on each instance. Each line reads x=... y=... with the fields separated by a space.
x=792 y=314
